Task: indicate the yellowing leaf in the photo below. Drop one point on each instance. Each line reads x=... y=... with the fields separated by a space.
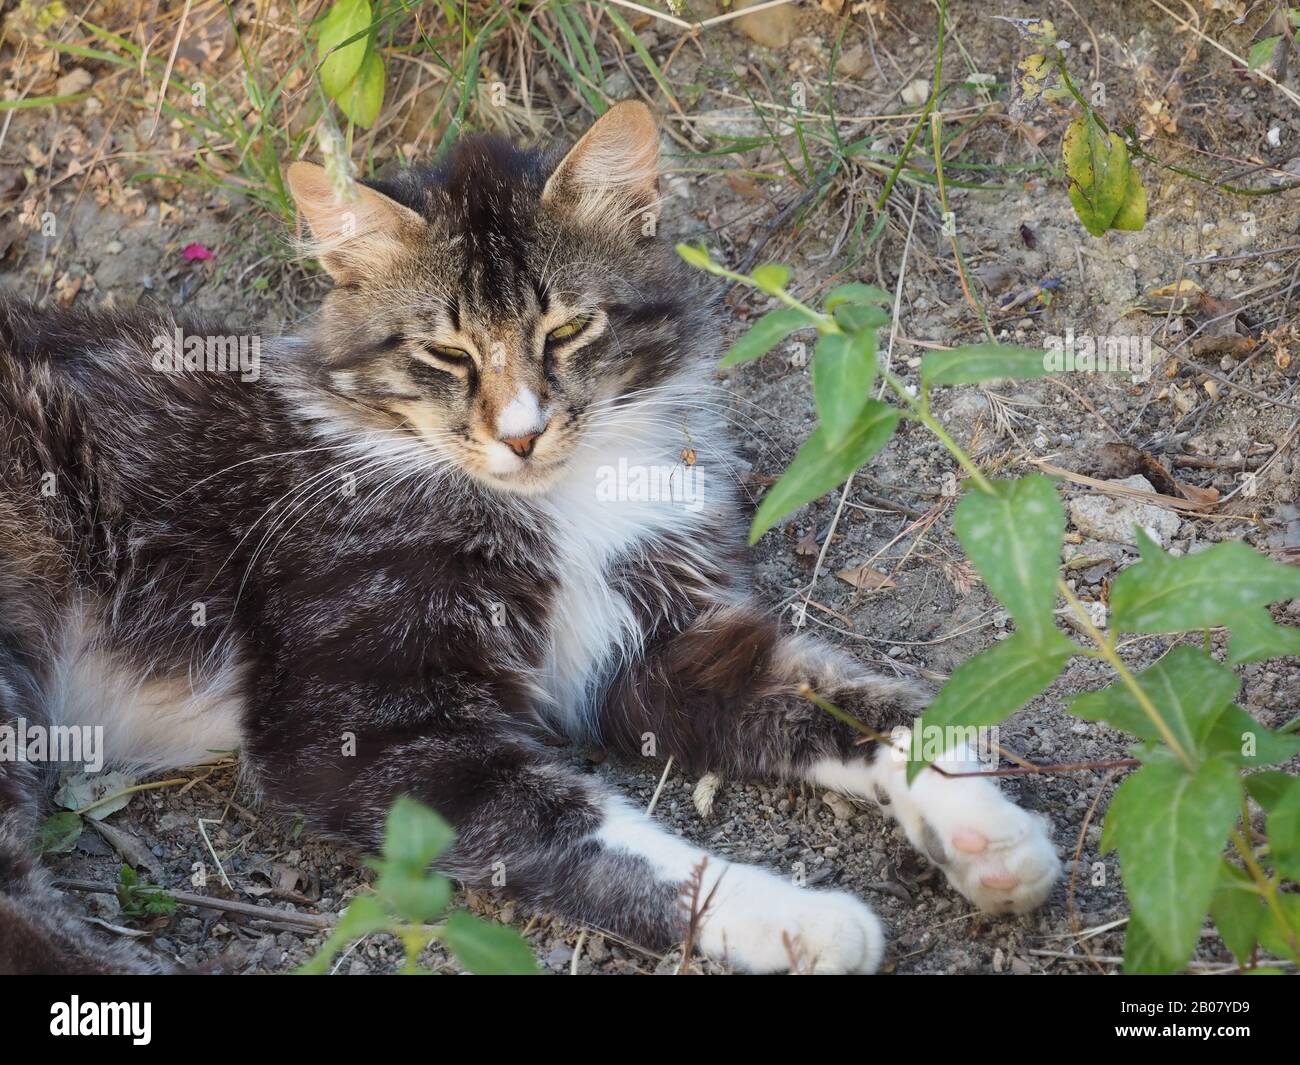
x=1104 y=190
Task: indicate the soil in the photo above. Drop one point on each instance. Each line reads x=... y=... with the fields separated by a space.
x=123 y=242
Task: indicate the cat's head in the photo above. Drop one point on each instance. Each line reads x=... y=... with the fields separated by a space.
x=502 y=303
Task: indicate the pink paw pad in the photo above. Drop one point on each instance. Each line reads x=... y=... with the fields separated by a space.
x=1002 y=881
x=968 y=841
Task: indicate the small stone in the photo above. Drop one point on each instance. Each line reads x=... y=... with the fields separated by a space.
x=914 y=92
x=852 y=62
x=1114 y=519
x=772 y=27
x=999 y=960
x=73 y=82
x=838 y=805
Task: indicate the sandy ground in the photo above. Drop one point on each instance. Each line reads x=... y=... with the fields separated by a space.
x=931 y=614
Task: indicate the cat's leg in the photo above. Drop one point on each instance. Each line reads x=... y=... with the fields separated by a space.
x=723 y=695
x=529 y=826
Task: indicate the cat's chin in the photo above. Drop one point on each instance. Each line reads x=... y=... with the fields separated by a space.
x=530 y=480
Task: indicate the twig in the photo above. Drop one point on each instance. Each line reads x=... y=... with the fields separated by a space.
x=207 y=902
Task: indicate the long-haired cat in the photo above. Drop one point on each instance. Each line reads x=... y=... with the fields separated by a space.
x=410 y=551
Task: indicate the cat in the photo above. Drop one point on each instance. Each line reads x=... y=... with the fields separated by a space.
x=388 y=563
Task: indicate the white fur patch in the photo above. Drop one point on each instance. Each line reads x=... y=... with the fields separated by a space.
x=593 y=627
x=522 y=416
x=150 y=723
x=756 y=921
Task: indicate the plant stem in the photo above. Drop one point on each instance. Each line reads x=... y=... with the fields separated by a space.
x=936 y=140
x=920 y=411
x=151 y=786
x=1108 y=652
x=1267 y=887
x=924 y=115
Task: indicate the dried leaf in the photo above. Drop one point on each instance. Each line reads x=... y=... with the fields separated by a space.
x=865 y=578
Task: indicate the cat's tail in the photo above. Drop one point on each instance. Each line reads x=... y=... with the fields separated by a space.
x=38 y=934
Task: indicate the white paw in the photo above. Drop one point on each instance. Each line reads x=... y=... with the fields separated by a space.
x=762 y=924
x=996 y=854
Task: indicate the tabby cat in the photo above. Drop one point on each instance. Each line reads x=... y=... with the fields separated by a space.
x=406 y=554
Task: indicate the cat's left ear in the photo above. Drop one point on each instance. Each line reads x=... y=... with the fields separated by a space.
x=611 y=176
x=353 y=237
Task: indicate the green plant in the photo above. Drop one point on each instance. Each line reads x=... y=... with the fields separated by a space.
x=350 y=69
x=407 y=897
x=141 y=900
x=1202 y=757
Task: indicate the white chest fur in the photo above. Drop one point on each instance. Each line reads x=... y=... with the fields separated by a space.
x=625 y=493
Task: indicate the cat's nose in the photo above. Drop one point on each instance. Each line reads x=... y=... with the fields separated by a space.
x=521 y=422
x=522 y=445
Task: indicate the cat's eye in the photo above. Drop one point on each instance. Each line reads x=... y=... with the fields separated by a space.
x=569 y=329
x=444 y=351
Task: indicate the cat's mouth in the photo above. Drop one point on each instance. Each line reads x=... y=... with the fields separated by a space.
x=494 y=465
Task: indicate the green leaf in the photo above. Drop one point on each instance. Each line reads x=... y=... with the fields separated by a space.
x=856 y=293
x=1170 y=827
x=1097 y=164
x=1132 y=214
x=60 y=832
x=1189 y=688
x=414 y=835
x=820 y=466
x=771 y=278
x=364 y=916
x=765 y=334
x=986 y=688
x=1261 y=52
x=1256 y=637
x=340 y=65
x=1013 y=535
x=364 y=98
x=488 y=949
x=981 y=362
x=415 y=896
x=696 y=256
x=1284 y=833
x=1241 y=739
x=859 y=317
x=843 y=368
x=1166 y=594
x=1269 y=787
x=1142 y=954
x=1272 y=936
x=1238 y=911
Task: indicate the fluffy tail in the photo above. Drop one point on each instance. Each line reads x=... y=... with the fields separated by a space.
x=38 y=935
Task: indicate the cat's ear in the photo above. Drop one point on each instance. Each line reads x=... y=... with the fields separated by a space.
x=611 y=176
x=354 y=236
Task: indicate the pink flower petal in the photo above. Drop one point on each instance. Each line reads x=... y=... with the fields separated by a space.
x=196 y=253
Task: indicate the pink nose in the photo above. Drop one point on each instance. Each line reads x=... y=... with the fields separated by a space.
x=521 y=445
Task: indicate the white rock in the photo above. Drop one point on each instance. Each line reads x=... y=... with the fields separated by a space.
x=1113 y=519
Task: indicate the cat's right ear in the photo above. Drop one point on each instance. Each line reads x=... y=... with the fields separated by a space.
x=352 y=237
x=611 y=176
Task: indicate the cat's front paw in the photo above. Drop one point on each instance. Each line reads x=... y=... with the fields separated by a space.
x=997 y=855
x=760 y=923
